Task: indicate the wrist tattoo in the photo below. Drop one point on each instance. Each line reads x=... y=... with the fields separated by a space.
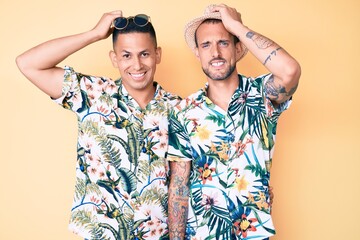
x=250 y=35
x=272 y=53
x=260 y=41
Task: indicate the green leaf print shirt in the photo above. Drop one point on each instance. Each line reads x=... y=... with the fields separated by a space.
x=121 y=171
x=231 y=153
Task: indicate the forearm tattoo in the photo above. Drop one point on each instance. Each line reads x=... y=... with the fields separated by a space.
x=273 y=53
x=178 y=199
x=179 y=215
x=182 y=190
x=260 y=41
x=275 y=91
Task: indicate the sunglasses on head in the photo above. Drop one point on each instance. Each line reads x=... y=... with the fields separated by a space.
x=140 y=20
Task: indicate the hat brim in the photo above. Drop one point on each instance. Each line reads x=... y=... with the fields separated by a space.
x=192 y=26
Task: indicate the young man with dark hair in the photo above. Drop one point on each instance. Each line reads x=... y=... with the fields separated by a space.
x=121 y=172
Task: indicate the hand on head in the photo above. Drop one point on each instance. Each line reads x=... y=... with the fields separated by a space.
x=228 y=14
x=104 y=27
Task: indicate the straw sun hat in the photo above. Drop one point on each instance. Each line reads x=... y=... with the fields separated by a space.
x=192 y=26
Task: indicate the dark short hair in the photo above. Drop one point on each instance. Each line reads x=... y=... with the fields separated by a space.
x=213 y=21
x=133 y=28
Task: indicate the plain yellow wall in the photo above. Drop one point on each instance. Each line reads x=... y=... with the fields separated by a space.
x=316 y=166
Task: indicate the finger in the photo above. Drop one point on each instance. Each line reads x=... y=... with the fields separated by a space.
x=116 y=12
x=113 y=15
x=218 y=7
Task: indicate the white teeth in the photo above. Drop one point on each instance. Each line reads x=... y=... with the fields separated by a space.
x=137 y=75
x=216 y=64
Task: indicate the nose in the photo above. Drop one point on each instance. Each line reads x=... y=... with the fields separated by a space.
x=137 y=64
x=215 y=51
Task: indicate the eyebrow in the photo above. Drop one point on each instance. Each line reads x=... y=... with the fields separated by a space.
x=128 y=52
x=203 y=43
x=223 y=41
x=219 y=41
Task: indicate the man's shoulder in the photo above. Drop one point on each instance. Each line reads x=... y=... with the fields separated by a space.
x=70 y=72
x=246 y=80
x=166 y=97
x=196 y=95
x=192 y=100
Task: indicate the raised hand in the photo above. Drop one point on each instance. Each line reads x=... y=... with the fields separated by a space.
x=104 y=27
x=229 y=16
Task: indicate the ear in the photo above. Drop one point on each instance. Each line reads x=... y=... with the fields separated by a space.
x=158 y=52
x=196 y=52
x=113 y=58
x=239 y=50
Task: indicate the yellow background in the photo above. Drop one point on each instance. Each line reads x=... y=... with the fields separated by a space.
x=316 y=166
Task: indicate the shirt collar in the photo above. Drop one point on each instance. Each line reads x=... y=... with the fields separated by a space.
x=127 y=98
x=202 y=95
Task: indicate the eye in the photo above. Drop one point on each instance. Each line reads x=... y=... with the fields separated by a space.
x=223 y=43
x=145 y=54
x=205 y=45
x=126 y=56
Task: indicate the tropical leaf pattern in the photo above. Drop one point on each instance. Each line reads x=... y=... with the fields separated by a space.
x=231 y=153
x=121 y=171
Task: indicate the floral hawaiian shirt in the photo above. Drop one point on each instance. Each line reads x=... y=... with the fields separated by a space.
x=231 y=153
x=121 y=171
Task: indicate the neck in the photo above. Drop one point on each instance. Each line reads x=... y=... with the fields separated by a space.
x=221 y=91
x=143 y=97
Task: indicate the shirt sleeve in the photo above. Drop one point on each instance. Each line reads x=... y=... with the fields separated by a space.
x=73 y=95
x=272 y=112
x=179 y=142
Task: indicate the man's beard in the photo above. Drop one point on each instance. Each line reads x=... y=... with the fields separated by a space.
x=214 y=76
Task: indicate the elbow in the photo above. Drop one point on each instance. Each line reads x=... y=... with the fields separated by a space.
x=25 y=65
x=287 y=83
x=296 y=71
x=21 y=64
x=18 y=61
x=292 y=74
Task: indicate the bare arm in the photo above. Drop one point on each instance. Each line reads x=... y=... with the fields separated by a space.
x=285 y=69
x=178 y=199
x=38 y=64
